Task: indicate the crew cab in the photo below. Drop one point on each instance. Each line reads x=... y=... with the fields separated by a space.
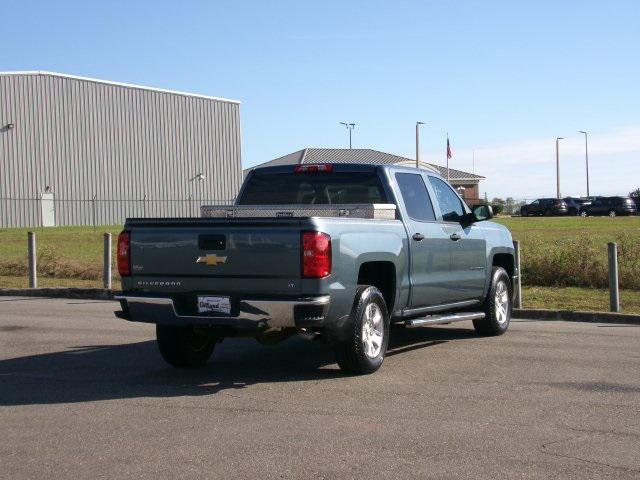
x=335 y=251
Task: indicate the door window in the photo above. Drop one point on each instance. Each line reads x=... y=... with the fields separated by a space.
x=415 y=196
x=450 y=204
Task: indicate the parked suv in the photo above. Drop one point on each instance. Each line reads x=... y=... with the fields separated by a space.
x=611 y=206
x=576 y=206
x=545 y=206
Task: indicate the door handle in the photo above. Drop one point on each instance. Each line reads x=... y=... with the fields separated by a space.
x=418 y=237
x=455 y=237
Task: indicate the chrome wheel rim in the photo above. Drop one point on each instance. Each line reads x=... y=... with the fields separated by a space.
x=502 y=302
x=372 y=331
x=612 y=214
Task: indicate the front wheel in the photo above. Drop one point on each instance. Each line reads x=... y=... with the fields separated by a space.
x=183 y=347
x=612 y=213
x=364 y=348
x=497 y=306
x=583 y=213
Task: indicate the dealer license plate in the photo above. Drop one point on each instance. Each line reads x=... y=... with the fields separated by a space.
x=214 y=304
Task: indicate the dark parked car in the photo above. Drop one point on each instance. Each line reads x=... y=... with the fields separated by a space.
x=637 y=201
x=545 y=206
x=576 y=206
x=611 y=206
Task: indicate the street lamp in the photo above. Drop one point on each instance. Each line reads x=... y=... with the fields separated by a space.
x=418 y=143
x=349 y=126
x=558 y=166
x=586 y=157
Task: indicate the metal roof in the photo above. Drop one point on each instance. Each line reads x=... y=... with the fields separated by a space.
x=361 y=155
x=118 y=84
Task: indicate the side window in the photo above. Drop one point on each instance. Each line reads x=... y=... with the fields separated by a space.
x=415 y=196
x=535 y=202
x=450 y=205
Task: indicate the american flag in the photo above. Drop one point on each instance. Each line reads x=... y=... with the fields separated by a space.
x=449 y=154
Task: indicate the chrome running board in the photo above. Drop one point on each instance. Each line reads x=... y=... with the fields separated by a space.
x=446 y=318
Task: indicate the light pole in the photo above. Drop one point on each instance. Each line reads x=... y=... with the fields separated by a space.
x=586 y=157
x=558 y=165
x=418 y=143
x=349 y=126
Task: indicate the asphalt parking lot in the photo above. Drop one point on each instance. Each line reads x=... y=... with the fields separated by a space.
x=85 y=395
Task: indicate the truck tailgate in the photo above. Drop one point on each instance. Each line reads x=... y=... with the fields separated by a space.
x=222 y=252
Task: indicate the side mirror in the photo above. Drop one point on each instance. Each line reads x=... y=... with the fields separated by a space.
x=480 y=213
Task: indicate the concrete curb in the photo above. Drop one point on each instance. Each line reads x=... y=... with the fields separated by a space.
x=84 y=293
x=570 y=316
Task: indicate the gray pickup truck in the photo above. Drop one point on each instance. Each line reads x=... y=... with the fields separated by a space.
x=333 y=251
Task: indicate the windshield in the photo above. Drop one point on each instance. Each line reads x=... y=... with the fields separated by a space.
x=316 y=188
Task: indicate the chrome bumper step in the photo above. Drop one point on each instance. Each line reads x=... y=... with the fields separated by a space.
x=445 y=318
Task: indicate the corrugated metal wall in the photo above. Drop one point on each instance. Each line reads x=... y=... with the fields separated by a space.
x=109 y=151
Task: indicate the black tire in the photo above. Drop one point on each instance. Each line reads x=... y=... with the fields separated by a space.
x=183 y=347
x=351 y=353
x=493 y=323
x=524 y=212
x=548 y=213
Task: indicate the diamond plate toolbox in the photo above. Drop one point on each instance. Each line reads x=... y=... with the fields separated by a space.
x=374 y=211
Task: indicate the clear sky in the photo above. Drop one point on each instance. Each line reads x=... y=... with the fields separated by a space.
x=504 y=78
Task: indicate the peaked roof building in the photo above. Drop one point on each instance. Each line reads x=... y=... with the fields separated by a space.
x=466 y=183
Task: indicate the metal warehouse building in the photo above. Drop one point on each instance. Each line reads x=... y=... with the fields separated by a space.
x=80 y=151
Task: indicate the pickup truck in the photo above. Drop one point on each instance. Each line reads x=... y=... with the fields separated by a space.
x=331 y=251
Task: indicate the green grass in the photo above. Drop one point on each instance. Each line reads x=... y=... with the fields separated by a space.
x=62 y=252
x=572 y=252
x=556 y=252
x=578 y=299
x=599 y=229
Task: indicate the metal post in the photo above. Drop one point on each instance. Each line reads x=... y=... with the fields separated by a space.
x=518 y=284
x=93 y=212
x=31 y=247
x=586 y=157
x=418 y=143
x=106 y=272
x=558 y=166
x=349 y=127
x=614 y=294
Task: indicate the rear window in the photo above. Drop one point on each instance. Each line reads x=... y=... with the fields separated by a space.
x=316 y=188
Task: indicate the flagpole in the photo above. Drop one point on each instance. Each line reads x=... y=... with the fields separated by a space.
x=448 y=156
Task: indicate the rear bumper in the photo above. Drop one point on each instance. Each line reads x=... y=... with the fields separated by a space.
x=253 y=314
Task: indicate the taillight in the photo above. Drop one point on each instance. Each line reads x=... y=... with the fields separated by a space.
x=325 y=167
x=124 y=254
x=316 y=254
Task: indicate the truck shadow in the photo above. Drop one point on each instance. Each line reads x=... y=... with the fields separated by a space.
x=135 y=370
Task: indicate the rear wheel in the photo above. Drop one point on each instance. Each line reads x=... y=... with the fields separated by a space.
x=183 y=347
x=524 y=212
x=583 y=213
x=612 y=213
x=364 y=348
x=497 y=306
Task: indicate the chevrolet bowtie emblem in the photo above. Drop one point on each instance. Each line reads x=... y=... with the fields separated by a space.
x=211 y=260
